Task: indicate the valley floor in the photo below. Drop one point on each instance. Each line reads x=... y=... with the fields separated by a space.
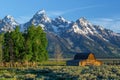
x=106 y=72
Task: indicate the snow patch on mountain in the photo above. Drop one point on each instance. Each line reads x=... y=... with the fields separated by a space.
x=60 y=24
x=41 y=17
x=82 y=26
x=41 y=12
x=10 y=20
x=8 y=23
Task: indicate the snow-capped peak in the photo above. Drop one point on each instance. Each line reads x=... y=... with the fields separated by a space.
x=40 y=17
x=8 y=17
x=41 y=12
x=82 y=21
x=10 y=20
x=82 y=26
x=8 y=24
x=60 y=20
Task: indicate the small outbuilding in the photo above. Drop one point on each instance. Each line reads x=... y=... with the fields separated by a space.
x=84 y=59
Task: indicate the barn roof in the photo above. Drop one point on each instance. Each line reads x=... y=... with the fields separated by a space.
x=81 y=56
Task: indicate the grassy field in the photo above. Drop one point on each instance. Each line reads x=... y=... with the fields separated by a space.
x=52 y=70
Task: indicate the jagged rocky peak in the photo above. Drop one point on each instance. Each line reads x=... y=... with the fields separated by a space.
x=8 y=24
x=41 y=12
x=41 y=16
x=9 y=17
x=83 y=22
x=82 y=19
x=82 y=26
x=40 y=19
x=61 y=21
x=10 y=20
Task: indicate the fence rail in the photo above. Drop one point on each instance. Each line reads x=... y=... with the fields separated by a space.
x=110 y=61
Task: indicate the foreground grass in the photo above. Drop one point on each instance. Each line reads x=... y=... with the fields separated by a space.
x=107 y=72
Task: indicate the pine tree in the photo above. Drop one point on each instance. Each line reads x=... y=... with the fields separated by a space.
x=36 y=44
x=18 y=44
x=13 y=45
x=30 y=46
x=1 y=46
x=7 y=47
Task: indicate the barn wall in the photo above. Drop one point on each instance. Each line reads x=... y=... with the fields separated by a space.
x=91 y=60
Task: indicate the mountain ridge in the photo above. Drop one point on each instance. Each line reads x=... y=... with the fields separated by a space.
x=71 y=37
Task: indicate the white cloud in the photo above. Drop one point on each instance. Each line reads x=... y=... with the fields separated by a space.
x=81 y=8
x=23 y=19
x=109 y=23
x=59 y=13
x=54 y=13
x=105 y=19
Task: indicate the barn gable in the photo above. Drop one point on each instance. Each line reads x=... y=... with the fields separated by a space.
x=84 y=59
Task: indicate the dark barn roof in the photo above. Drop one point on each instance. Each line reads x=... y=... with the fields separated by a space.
x=81 y=56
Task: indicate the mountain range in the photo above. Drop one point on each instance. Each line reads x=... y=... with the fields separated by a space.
x=70 y=37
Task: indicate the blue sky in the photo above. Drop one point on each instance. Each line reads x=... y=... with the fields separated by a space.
x=102 y=12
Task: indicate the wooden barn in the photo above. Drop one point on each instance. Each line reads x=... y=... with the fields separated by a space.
x=84 y=59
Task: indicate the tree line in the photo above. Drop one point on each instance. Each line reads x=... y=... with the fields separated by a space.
x=30 y=45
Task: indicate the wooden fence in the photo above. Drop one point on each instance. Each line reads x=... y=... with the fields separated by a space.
x=110 y=61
